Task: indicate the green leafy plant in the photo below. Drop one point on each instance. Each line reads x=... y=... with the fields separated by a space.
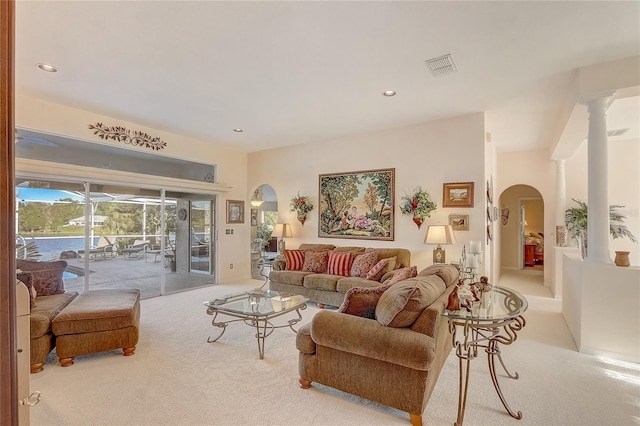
x=264 y=232
x=417 y=203
x=576 y=221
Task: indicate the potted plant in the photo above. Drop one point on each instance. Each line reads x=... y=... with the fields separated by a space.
x=576 y=221
x=264 y=232
x=301 y=205
x=418 y=204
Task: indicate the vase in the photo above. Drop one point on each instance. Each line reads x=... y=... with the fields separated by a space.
x=622 y=258
x=561 y=236
x=301 y=219
x=418 y=221
x=582 y=243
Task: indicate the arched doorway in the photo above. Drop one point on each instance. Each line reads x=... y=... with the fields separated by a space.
x=264 y=216
x=522 y=229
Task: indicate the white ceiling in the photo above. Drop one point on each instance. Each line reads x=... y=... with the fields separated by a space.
x=299 y=72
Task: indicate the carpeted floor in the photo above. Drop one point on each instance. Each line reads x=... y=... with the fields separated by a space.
x=177 y=378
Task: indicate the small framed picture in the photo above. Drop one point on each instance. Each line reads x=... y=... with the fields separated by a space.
x=235 y=211
x=458 y=194
x=459 y=222
x=254 y=217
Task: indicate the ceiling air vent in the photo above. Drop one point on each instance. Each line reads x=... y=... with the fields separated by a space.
x=617 y=132
x=442 y=65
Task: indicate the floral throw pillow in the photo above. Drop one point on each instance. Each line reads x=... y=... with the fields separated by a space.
x=294 y=260
x=382 y=267
x=316 y=261
x=403 y=274
x=47 y=276
x=363 y=263
x=340 y=263
x=362 y=301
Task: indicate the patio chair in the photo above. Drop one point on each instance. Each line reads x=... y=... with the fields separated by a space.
x=137 y=249
x=104 y=248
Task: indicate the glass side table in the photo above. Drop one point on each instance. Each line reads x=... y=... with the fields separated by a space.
x=494 y=320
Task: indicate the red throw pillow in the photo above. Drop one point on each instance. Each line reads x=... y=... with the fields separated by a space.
x=403 y=274
x=340 y=263
x=315 y=261
x=363 y=263
x=294 y=259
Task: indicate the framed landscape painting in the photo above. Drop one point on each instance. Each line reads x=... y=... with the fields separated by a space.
x=458 y=194
x=459 y=222
x=357 y=205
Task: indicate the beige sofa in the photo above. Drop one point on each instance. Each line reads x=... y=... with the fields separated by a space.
x=328 y=289
x=392 y=357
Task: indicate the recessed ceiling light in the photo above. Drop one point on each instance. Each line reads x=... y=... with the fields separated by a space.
x=47 y=67
x=238 y=130
x=389 y=93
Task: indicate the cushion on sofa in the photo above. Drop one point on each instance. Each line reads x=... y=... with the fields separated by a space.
x=403 y=302
x=340 y=263
x=362 y=301
x=402 y=274
x=27 y=279
x=316 y=261
x=403 y=256
x=294 y=260
x=321 y=281
x=347 y=283
x=381 y=267
x=363 y=263
x=448 y=273
x=46 y=309
x=47 y=276
x=288 y=277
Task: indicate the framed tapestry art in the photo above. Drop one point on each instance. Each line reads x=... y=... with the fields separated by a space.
x=457 y=194
x=357 y=205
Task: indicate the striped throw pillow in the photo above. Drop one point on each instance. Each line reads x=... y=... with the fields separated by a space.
x=294 y=259
x=340 y=264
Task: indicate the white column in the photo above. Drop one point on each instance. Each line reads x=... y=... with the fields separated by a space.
x=561 y=202
x=597 y=180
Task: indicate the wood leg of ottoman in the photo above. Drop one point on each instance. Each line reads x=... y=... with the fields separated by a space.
x=128 y=351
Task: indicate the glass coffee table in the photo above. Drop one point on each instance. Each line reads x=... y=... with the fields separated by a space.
x=256 y=308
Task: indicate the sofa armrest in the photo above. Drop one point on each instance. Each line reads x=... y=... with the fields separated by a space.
x=367 y=337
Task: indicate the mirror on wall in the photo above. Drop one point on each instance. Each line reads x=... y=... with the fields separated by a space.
x=264 y=215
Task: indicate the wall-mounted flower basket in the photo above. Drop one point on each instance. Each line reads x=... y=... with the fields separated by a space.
x=301 y=205
x=418 y=204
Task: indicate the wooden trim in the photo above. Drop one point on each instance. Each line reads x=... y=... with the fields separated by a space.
x=8 y=340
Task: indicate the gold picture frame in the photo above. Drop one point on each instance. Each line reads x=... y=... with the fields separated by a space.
x=459 y=222
x=459 y=194
x=235 y=211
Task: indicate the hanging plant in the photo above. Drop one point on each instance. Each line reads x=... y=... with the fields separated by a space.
x=301 y=205
x=418 y=204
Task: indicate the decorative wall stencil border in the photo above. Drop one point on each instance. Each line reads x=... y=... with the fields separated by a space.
x=122 y=134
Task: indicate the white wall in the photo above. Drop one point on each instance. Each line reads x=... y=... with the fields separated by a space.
x=427 y=155
x=36 y=114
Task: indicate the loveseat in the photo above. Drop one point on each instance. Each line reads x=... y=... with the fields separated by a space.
x=324 y=272
x=387 y=344
x=48 y=298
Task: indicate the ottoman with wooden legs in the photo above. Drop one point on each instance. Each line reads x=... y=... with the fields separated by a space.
x=97 y=321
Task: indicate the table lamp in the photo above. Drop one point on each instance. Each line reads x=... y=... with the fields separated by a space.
x=282 y=231
x=440 y=235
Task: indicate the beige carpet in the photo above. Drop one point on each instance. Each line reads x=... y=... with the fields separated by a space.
x=177 y=378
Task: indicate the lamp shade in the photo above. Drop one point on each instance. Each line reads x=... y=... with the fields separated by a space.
x=439 y=234
x=282 y=230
